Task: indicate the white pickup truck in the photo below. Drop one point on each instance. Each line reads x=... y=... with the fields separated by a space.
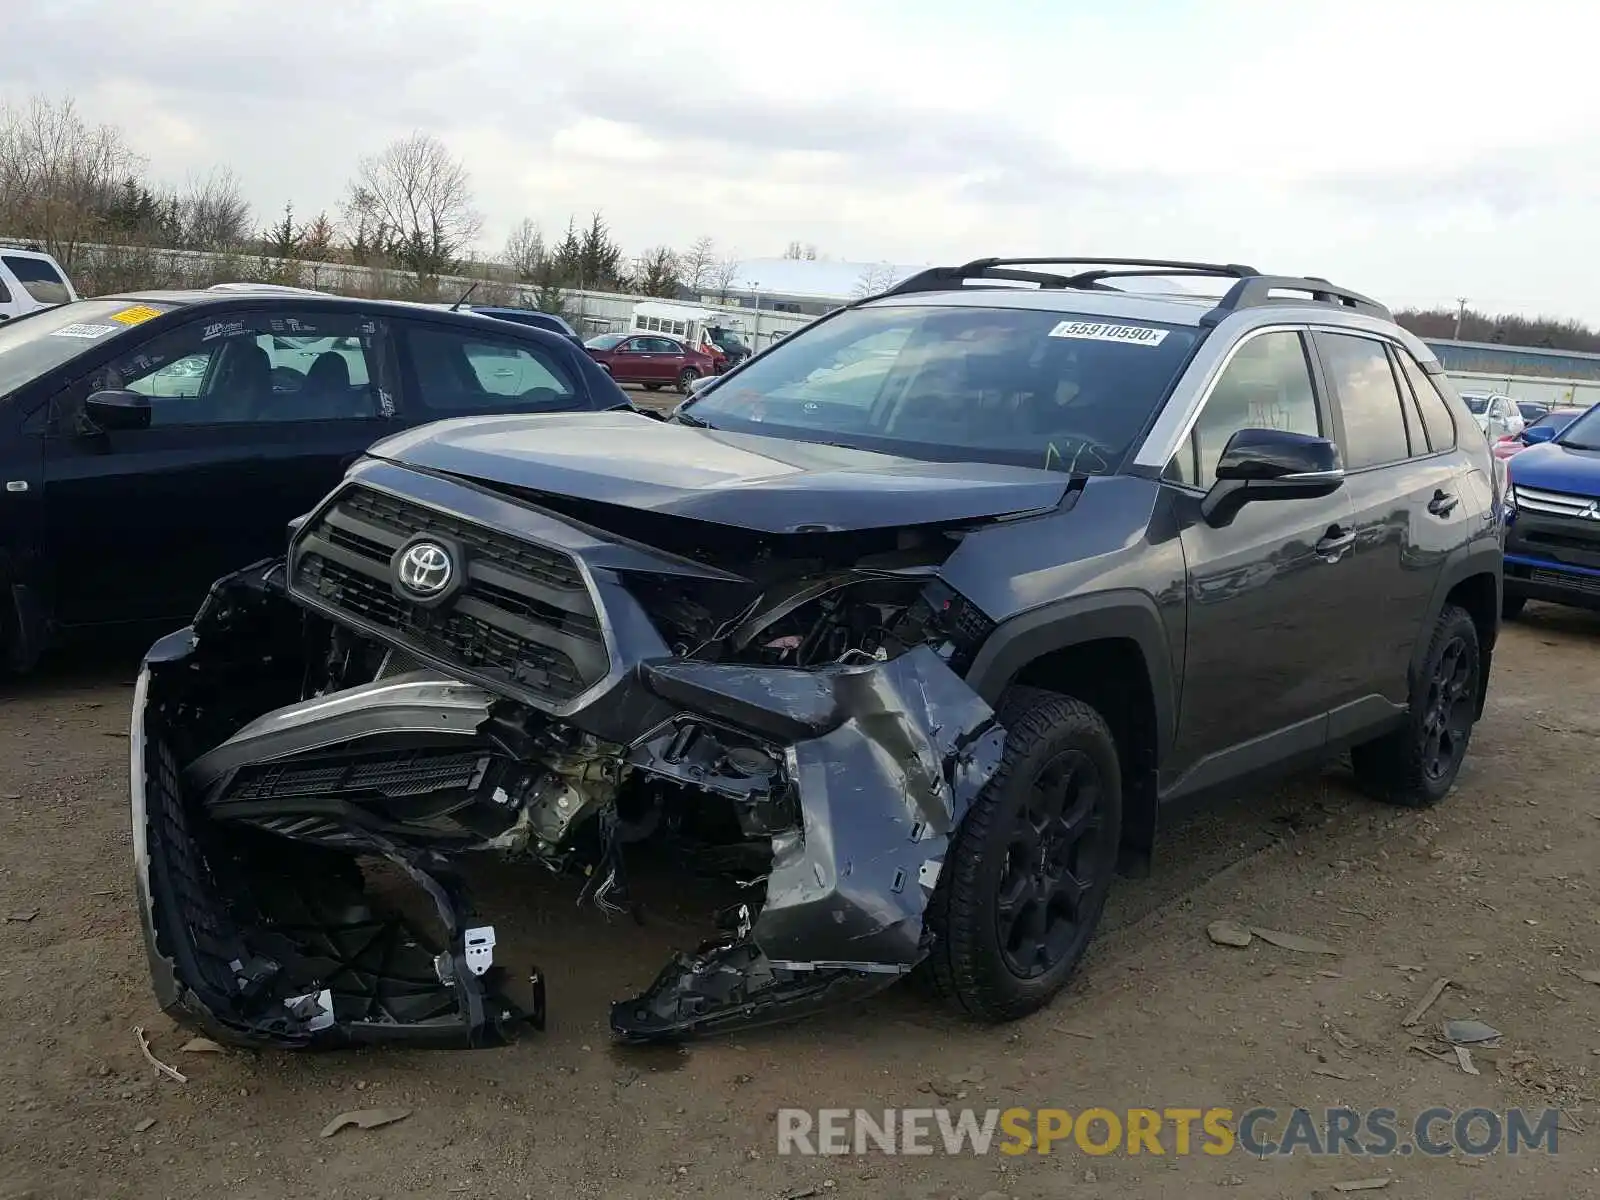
x=30 y=279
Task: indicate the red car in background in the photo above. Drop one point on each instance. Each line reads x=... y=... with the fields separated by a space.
x=650 y=359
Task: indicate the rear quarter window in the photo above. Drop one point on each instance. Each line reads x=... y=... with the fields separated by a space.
x=465 y=371
x=39 y=278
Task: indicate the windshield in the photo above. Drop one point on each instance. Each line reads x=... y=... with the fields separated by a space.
x=1584 y=432
x=606 y=341
x=1555 y=422
x=1476 y=405
x=50 y=337
x=1020 y=386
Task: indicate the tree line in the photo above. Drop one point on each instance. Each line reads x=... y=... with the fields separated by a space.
x=1470 y=325
x=82 y=192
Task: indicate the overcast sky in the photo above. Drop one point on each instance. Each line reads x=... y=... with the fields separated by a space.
x=1415 y=150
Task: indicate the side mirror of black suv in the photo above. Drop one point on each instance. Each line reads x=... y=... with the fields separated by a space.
x=1271 y=464
x=117 y=409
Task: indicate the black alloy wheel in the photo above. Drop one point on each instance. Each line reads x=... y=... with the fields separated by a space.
x=1054 y=864
x=1449 y=709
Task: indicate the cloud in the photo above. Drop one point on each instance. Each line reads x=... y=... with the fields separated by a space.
x=1382 y=145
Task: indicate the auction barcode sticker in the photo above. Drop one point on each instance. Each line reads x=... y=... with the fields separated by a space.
x=1096 y=331
x=81 y=330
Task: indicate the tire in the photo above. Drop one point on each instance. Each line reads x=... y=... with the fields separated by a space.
x=1511 y=607
x=686 y=378
x=984 y=961
x=1417 y=764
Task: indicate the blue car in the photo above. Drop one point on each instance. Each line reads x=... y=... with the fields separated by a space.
x=1553 y=536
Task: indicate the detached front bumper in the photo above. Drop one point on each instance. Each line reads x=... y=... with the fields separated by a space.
x=256 y=943
x=257 y=936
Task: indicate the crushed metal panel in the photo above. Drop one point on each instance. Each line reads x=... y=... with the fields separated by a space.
x=880 y=795
x=898 y=774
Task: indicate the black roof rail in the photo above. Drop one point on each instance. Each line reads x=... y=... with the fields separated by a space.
x=938 y=279
x=1252 y=289
x=1257 y=292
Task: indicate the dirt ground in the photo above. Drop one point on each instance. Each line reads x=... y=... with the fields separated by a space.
x=1498 y=889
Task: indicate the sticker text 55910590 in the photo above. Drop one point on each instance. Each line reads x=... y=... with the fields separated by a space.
x=81 y=330
x=1099 y=331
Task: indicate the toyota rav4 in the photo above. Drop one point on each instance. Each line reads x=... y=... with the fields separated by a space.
x=910 y=628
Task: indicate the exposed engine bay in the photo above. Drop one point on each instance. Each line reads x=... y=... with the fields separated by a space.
x=786 y=714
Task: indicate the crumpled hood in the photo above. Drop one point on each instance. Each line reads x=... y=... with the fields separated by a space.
x=1557 y=468
x=770 y=485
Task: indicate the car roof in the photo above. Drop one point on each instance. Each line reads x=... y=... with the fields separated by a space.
x=248 y=298
x=21 y=252
x=1140 y=289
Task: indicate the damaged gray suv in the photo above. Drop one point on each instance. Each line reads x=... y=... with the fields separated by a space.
x=908 y=630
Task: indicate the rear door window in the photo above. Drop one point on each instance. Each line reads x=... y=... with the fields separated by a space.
x=464 y=371
x=1369 y=400
x=42 y=281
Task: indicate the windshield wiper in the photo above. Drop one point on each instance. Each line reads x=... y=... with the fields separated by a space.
x=1575 y=445
x=684 y=418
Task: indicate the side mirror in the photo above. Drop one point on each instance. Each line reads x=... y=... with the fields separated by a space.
x=1535 y=434
x=1271 y=464
x=703 y=382
x=118 y=410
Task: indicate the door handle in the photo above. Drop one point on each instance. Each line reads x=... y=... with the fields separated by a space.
x=1443 y=503
x=1334 y=543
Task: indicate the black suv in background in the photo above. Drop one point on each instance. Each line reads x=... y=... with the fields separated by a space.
x=910 y=629
x=151 y=442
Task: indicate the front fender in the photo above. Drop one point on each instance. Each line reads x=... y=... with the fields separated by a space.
x=1124 y=613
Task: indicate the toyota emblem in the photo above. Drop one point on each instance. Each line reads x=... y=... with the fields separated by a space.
x=425 y=569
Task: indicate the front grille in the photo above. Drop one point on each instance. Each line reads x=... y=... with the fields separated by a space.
x=402 y=518
x=523 y=621
x=1587 y=584
x=408 y=775
x=1559 y=504
x=1557 y=526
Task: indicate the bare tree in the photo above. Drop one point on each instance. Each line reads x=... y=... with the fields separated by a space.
x=722 y=275
x=874 y=278
x=212 y=212
x=59 y=175
x=525 y=252
x=695 y=265
x=413 y=204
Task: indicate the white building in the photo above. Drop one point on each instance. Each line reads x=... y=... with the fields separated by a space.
x=797 y=285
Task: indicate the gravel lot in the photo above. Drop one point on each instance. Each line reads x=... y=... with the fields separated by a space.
x=1498 y=889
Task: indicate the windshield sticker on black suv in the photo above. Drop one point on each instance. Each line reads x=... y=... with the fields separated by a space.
x=222 y=329
x=84 y=331
x=136 y=315
x=1096 y=331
